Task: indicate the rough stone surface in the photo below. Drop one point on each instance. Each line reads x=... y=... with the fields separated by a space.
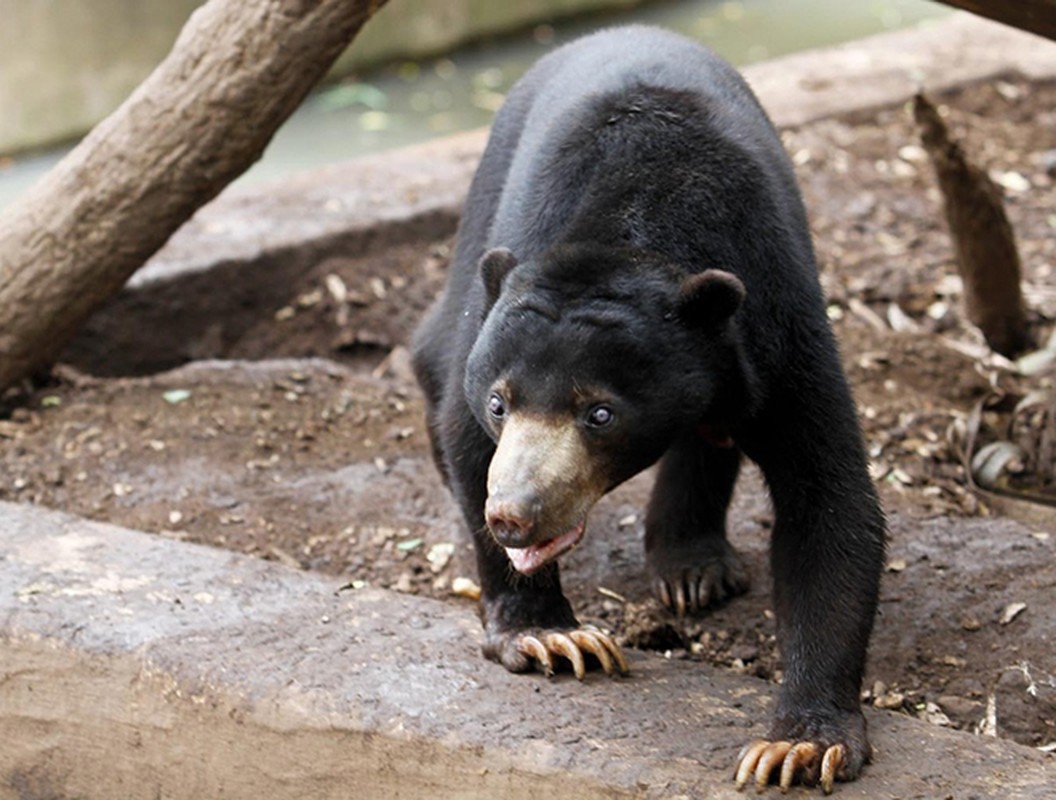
x=134 y=666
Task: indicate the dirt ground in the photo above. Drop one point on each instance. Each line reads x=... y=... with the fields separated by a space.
x=300 y=438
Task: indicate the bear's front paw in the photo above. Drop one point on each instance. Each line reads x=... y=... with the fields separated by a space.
x=689 y=578
x=522 y=651
x=812 y=753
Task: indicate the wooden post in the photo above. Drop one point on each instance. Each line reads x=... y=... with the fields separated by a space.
x=987 y=258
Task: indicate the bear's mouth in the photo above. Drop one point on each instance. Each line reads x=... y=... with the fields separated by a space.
x=527 y=560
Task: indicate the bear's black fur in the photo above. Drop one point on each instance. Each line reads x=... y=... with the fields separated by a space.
x=634 y=281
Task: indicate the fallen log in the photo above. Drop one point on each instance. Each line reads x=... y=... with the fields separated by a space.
x=235 y=74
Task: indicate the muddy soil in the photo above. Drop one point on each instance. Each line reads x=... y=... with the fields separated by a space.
x=299 y=438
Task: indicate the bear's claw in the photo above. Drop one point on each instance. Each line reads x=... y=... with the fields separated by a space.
x=717 y=573
x=696 y=590
x=572 y=645
x=761 y=758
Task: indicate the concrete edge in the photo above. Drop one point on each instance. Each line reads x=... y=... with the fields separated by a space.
x=136 y=666
x=419 y=190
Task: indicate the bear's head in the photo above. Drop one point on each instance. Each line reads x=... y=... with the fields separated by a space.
x=589 y=362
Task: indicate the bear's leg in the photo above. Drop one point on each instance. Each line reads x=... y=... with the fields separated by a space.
x=428 y=366
x=827 y=553
x=528 y=621
x=689 y=561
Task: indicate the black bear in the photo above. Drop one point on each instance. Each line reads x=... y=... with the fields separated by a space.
x=634 y=281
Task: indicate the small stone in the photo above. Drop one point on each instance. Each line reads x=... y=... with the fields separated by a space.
x=1011 y=611
x=404 y=583
x=337 y=287
x=439 y=555
x=1010 y=180
x=970 y=623
x=309 y=299
x=465 y=587
x=961 y=709
x=744 y=653
x=890 y=700
x=934 y=715
x=912 y=153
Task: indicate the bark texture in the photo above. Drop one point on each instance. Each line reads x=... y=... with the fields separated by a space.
x=236 y=72
x=1036 y=16
x=982 y=237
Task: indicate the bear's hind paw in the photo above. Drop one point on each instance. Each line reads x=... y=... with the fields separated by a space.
x=712 y=579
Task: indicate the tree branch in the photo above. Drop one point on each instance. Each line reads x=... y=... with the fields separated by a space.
x=236 y=73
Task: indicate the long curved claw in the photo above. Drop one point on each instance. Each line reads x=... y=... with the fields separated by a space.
x=573 y=645
x=533 y=648
x=588 y=642
x=772 y=757
x=680 y=599
x=663 y=592
x=831 y=765
x=747 y=761
x=697 y=600
x=802 y=754
x=562 y=644
x=615 y=652
x=688 y=580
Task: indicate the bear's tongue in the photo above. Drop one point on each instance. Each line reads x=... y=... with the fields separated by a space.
x=527 y=560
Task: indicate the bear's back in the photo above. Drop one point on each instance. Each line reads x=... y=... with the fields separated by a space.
x=550 y=125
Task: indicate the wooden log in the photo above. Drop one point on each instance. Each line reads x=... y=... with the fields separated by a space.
x=1036 y=16
x=236 y=72
x=984 y=243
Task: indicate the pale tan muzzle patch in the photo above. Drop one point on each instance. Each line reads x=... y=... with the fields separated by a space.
x=546 y=456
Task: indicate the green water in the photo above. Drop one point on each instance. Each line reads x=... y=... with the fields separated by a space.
x=411 y=102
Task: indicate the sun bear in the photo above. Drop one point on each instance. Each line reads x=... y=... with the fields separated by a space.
x=634 y=282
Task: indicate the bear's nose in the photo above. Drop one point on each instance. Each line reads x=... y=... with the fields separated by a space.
x=512 y=521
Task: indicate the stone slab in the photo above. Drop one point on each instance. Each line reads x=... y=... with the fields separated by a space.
x=135 y=666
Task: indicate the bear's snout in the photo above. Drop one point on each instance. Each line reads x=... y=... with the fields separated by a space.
x=513 y=521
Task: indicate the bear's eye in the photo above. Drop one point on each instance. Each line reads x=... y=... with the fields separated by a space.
x=496 y=407
x=600 y=416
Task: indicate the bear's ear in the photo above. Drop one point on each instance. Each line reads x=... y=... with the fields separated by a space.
x=709 y=298
x=495 y=265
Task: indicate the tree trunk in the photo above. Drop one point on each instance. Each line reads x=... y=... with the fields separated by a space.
x=1037 y=16
x=982 y=238
x=236 y=72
